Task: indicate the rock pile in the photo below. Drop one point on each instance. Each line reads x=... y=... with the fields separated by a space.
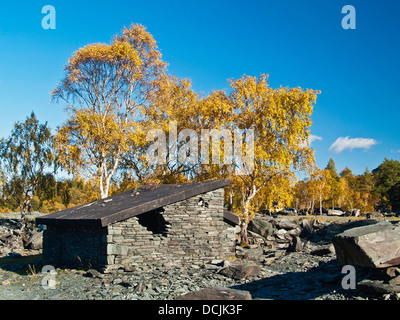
x=375 y=247
x=15 y=237
x=371 y=246
x=277 y=235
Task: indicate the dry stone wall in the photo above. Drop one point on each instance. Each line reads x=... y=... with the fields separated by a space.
x=185 y=233
x=188 y=233
x=75 y=247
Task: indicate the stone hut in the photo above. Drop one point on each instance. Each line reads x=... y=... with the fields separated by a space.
x=170 y=224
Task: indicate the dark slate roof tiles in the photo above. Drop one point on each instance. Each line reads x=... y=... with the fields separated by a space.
x=128 y=204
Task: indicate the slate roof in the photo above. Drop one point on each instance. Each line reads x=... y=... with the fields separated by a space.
x=128 y=204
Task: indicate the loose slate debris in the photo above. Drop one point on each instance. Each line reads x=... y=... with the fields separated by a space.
x=312 y=273
x=377 y=287
x=216 y=293
x=15 y=240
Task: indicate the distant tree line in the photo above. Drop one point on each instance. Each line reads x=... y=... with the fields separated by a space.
x=378 y=190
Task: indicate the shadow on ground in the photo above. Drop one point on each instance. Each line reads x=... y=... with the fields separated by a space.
x=314 y=283
x=22 y=265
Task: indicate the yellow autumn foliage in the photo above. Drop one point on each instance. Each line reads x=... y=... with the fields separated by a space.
x=107 y=90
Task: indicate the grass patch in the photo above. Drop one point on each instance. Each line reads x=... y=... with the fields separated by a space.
x=24 y=265
x=23 y=259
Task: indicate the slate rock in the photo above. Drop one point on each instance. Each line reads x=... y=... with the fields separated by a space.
x=374 y=246
x=296 y=245
x=92 y=273
x=286 y=223
x=216 y=293
x=377 y=287
x=241 y=271
x=254 y=254
x=35 y=242
x=323 y=250
x=217 y=262
x=261 y=227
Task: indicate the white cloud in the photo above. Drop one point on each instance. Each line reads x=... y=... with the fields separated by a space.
x=347 y=143
x=311 y=139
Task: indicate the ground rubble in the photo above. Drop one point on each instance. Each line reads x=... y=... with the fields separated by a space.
x=293 y=260
x=17 y=235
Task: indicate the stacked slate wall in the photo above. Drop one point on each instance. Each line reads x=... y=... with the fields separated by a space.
x=185 y=233
x=192 y=232
x=78 y=247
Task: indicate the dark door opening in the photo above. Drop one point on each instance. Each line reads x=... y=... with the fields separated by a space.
x=154 y=222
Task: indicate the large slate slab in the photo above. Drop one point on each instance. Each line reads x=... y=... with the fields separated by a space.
x=374 y=246
x=261 y=227
x=128 y=204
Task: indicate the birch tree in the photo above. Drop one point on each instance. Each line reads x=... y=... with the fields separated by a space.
x=281 y=120
x=106 y=89
x=321 y=185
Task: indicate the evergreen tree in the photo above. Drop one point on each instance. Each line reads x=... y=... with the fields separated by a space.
x=385 y=177
x=331 y=166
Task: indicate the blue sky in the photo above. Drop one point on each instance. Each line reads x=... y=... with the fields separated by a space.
x=298 y=43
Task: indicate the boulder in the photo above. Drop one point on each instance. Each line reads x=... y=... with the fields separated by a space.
x=254 y=254
x=12 y=243
x=241 y=271
x=15 y=235
x=296 y=245
x=393 y=272
x=307 y=228
x=374 y=246
x=261 y=227
x=92 y=273
x=323 y=250
x=35 y=242
x=354 y=212
x=295 y=232
x=4 y=251
x=216 y=293
x=283 y=237
x=286 y=223
x=395 y=281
